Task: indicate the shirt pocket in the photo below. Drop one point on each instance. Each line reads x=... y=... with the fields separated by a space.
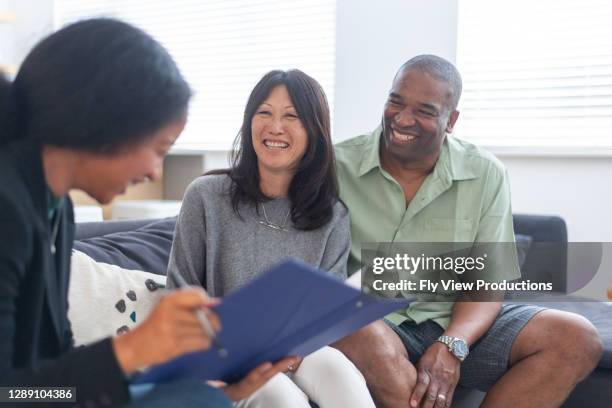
x=451 y=229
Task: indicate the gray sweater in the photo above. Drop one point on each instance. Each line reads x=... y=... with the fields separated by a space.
x=215 y=248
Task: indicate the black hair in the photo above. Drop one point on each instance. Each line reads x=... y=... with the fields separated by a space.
x=314 y=188
x=97 y=85
x=440 y=69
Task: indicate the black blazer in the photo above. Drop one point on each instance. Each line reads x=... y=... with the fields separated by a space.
x=36 y=346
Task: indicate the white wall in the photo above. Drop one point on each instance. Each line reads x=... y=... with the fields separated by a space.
x=577 y=189
x=372 y=40
x=7 y=34
x=34 y=20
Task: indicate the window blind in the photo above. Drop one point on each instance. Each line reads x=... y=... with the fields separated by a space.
x=536 y=73
x=224 y=47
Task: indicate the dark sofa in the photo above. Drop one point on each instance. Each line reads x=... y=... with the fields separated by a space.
x=145 y=245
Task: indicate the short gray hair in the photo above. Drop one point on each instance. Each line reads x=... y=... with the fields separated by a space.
x=440 y=69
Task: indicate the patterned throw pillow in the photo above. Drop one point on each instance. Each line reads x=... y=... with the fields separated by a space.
x=107 y=300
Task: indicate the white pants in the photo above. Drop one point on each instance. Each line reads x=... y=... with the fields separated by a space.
x=326 y=377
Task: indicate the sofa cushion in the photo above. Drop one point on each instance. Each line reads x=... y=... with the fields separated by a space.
x=106 y=300
x=523 y=243
x=146 y=248
x=86 y=230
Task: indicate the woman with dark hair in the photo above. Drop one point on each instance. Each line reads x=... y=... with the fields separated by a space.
x=95 y=106
x=279 y=199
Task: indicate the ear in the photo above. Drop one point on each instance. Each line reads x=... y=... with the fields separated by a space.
x=450 y=125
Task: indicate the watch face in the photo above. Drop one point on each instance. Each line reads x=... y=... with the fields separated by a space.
x=460 y=349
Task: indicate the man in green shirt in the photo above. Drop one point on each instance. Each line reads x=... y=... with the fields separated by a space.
x=409 y=182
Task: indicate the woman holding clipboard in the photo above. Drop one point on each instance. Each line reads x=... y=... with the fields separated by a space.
x=94 y=106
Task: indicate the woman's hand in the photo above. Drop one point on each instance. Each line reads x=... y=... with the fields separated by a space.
x=296 y=364
x=170 y=330
x=255 y=379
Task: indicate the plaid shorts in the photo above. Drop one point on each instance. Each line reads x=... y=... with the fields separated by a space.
x=488 y=358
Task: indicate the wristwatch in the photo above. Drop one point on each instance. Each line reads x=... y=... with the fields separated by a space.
x=458 y=347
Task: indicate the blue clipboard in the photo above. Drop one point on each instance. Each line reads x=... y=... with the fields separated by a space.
x=291 y=309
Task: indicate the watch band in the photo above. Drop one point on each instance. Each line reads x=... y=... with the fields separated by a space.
x=449 y=341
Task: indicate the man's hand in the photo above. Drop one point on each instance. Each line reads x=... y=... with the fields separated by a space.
x=437 y=377
x=256 y=378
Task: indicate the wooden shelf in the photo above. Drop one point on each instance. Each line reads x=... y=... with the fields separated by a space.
x=7 y=17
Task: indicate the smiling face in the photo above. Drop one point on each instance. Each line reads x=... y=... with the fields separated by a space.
x=417 y=116
x=105 y=176
x=278 y=135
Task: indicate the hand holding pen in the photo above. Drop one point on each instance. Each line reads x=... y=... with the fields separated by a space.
x=201 y=316
x=172 y=329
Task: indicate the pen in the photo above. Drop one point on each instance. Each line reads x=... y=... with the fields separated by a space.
x=201 y=316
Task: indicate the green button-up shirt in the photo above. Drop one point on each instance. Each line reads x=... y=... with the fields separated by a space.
x=465 y=199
